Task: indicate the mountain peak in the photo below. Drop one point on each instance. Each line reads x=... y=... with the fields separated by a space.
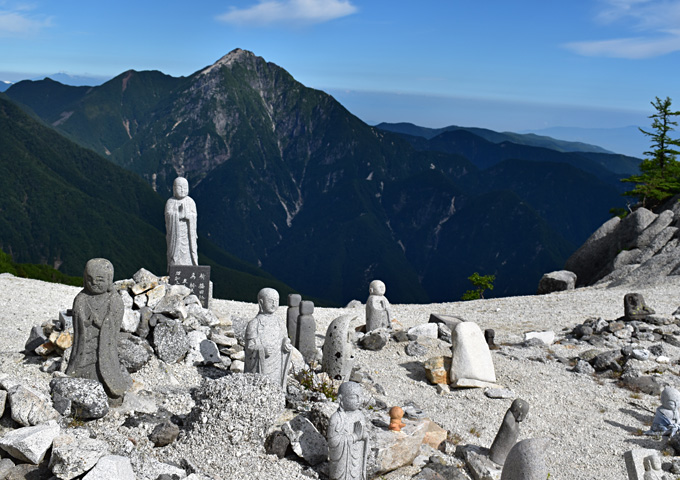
x=235 y=56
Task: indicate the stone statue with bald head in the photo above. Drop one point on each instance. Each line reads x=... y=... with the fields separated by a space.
x=377 y=307
x=97 y=316
x=268 y=347
x=180 y=225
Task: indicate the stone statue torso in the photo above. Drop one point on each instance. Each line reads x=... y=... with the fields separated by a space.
x=265 y=335
x=180 y=224
x=347 y=456
x=377 y=312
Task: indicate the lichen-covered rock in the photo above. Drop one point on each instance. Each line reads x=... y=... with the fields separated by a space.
x=80 y=397
x=170 y=340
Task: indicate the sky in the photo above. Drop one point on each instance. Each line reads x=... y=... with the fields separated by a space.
x=499 y=64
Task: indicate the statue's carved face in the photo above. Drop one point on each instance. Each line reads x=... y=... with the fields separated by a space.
x=376 y=288
x=350 y=401
x=268 y=299
x=180 y=188
x=98 y=277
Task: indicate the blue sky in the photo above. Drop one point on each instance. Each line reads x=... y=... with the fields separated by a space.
x=505 y=65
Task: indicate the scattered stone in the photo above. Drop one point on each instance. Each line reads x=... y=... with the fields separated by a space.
x=133 y=352
x=30 y=444
x=201 y=350
x=607 y=361
x=164 y=434
x=277 y=443
x=558 y=281
x=500 y=392
x=111 y=466
x=547 y=338
x=29 y=407
x=526 y=460
x=471 y=364
x=79 y=397
x=426 y=330
x=415 y=349
x=170 y=341
x=583 y=367
x=375 y=340
x=305 y=440
x=35 y=338
x=72 y=456
x=478 y=463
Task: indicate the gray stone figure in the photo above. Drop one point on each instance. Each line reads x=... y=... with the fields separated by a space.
x=180 y=225
x=377 y=307
x=292 y=314
x=268 y=348
x=652 y=466
x=667 y=417
x=306 y=331
x=635 y=308
x=97 y=316
x=509 y=431
x=347 y=436
x=526 y=460
x=338 y=349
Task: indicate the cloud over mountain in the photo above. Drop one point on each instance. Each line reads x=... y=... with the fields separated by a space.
x=296 y=11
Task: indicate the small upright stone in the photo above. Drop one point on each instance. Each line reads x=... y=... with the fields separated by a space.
x=509 y=431
x=306 y=331
x=338 y=349
x=377 y=307
x=490 y=336
x=471 y=363
x=635 y=308
x=292 y=314
x=526 y=460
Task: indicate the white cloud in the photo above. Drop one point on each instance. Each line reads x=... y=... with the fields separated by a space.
x=18 y=23
x=287 y=11
x=654 y=24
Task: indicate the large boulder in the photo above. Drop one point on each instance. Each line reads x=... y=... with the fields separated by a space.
x=556 y=282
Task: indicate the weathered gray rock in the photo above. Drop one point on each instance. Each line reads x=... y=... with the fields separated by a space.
x=558 y=281
x=415 y=349
x=478 y=463
x=292 y=314
x=424 y=330
x=449 y=320
x=172 y=306
x=204 y=316
x=30 y=444
x=635 y=308
x=391 y=450
x=155 y=295
x=3 y=401
x=375 y=339
x=634 y=459
x=131 y=320
x=526 y=460
x=306 y=331
x=111 y=466
x=277 y=443
x=583 y=367
x=170 y=340
x=607 y=361
x=164 y=434
x=133 y=352
x=201 y=350
x=80 y=397
x=471 y=363
x=501 y=392
x=306 y=441
x=661 y=222
x=29 y=407
x=657 y=243
x=36 y=338
x=144 y=276
x=74 y=455
x=6 y=466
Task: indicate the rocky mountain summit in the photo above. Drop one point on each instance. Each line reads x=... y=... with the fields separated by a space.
x=640 y=249
x=590 y=376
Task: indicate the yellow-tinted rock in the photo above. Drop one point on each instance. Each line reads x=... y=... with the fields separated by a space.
x=437 y=369
x=64 y=341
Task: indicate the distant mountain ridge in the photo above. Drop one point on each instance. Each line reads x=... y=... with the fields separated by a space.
x=285 y=177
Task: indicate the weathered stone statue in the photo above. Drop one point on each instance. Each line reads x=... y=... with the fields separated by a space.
x=377 y=307
x=338 y=349
x=667 y=418
x=652 y=466
x=635 y=308
x=306 y=331
x=348 y=436
x=509 y=431
x=97 y=316
x=292 y=313
x=180 y=225
x=268 y=348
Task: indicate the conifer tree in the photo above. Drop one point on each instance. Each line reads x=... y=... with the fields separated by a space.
x=659 y=177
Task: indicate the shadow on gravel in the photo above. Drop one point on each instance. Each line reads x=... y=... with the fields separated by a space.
x=415 y=370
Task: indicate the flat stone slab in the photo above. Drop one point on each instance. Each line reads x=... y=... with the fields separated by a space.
x=306 y=440
x=30 y=444
x=111 y=467
x=478 y=462
x=471 y=363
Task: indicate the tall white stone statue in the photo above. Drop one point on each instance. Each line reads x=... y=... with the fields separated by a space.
x=347 y=436
x=377 y=307
x=180 y=225
x=268 y=347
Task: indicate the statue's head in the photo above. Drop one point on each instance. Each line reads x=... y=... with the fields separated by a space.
x=670 y=398
x=268 y=299
x=651 y=463
x=180 y=188
x=294 y=299
x=519 y=409
x=376 y=287
x=350 y=396
x=98 y=276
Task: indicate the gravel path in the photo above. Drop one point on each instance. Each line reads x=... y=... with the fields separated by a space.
x=590 y=420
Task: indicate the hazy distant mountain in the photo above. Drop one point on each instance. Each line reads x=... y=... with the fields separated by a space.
x=4 y=85
x=75 y=80
x=285 y=177
x=494 y=137
x=625 y=140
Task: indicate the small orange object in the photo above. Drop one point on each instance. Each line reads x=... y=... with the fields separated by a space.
x=396 y=414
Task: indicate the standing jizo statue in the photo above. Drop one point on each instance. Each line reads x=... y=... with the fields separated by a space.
x=180 y=225
x=377 y=307
x=97 y=316
x=347 y=436
x=268 y=347
x=509 y=432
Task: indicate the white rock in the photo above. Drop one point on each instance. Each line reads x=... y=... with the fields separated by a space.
x=127 y=298
x=131 y=320
x=73 y=456
x=662 y=359
x=428 y=330
x=29 y=407
x=30 y=444
x=306 y=440
x=140 y=300
x=547 y=337
x=471 y=364
x=237 y=366
x=155 y=295
x=111 y=467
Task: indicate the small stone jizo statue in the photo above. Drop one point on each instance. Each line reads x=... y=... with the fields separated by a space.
x=97 y=316
x=268 y=347
x=292 y=313
x=652 y=466
x=667 y=418
x=180 y=225
x=377 y=307
x=347 y=436
x=509 y=431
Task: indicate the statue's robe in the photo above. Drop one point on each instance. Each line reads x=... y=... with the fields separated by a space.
x=180 y=228
x=264 y=351
x=347 y=456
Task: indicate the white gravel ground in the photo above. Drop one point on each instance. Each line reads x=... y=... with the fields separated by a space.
x=591 y=421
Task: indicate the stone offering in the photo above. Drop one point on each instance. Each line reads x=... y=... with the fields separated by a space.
x=396 y=414
x=652 y=466
x=180 y=226
x=348 y=436
x=471 y=364
x=490 y=336
x=306 y=331
x=338 y=349
x=667 y=417
x=268 y=348
x=97 y=317
x=634 y=462
x=635 y=308
x=509 y=431
x=377 y=307
x=292 y=314
x=526 y=460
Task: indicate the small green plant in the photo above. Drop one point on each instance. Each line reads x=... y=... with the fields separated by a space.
x=475 y=432
x=308 y=380
x=481 y=283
